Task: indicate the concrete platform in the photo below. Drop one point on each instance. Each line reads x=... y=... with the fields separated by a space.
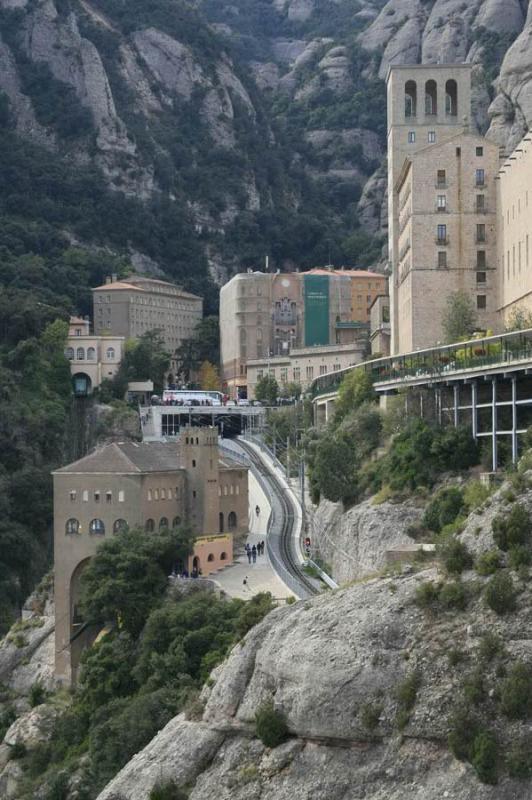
x=260 y=577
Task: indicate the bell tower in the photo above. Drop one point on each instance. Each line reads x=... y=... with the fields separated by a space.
x=199 y=457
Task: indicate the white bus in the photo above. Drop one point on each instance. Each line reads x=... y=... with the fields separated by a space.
x=190 y=397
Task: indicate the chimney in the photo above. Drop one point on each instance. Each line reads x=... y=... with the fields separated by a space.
x=107 y=279
x=114 y=278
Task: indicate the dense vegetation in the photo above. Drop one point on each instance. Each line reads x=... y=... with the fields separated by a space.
x=341 y=459
x=157 y=653
x=34 y=405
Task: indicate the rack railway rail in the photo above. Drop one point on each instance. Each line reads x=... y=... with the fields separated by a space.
x=281 y=540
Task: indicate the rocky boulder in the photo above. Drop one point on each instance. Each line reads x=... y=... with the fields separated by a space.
x=323 y=664
x=361 y=541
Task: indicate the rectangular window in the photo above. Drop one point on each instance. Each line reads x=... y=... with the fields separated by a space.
x=480 y=177
x=73 y=495
x=519 y=256
x=310 y=373
x=481 y=277
x=526 y=249
x=441 y=202
x=297 y=374
x=121 y=496
x=481 y=259
x=441 y=178
x=442 y=234
x=481 y=233
x=442 y=259
x=109 y=497
x=481 y=203
x=432 y=137
x=411 y=137
x=323 y=369
x=97 y=496
x=85 y=496
x=480 y=151
x=481 y=302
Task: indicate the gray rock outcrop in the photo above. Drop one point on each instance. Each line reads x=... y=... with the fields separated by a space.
x=359 y=542
x=321 y=663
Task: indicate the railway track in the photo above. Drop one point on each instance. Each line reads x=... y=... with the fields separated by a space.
x=280 y=541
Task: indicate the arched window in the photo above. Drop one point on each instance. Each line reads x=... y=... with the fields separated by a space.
x=451 y=98
x=72 y=526
x=110 y=353
x=120 y=526
x=210 y=557
x=410 y=99
x=149 y=526
x=431 y=98
x=223 y=556
x=177 y=522
x=80 y=354
x=221 y=517
x=69 y=353
x=97 y=526
x=231 y=520
x=91 y=354
x=243 y=343
x=163 y=523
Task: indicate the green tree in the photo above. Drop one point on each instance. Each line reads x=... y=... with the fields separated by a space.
x=355 y=389
x=459 y=317
x=204 y=345
x=512 y=530
x=267 y=390
x=127 y=577
x=500 y=594
x=145 y=359
x=335 y=469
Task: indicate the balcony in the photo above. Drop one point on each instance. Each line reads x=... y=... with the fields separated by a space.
x=441 y=209
x=442 y=241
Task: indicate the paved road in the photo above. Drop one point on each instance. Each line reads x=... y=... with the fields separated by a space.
x=260 y=577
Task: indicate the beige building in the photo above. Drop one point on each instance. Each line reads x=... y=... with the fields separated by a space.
x=379 y=326
x=301 y=366
x=268 y=315
x=446 y=238
x=92 y=358
x=514 y=230
x=152 y=486
x=135 y=305
x=441 y=202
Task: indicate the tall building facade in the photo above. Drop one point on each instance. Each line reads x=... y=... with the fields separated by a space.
x=92 y=358
x=151 y=486
x=431 y=150
x=135 y=305
x=447 y=237
x=514 y=232
x=264 y=315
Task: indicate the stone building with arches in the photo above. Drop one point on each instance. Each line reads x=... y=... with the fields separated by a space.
x=442 y=197
x=92 y=358
x=149 y=485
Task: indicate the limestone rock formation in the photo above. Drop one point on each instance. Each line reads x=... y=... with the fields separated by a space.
x=360 y=541
x=322 y=663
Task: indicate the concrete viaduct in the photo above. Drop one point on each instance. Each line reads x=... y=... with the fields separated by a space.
x=484 y=383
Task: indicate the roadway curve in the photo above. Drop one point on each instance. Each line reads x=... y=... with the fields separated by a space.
x=281 y=540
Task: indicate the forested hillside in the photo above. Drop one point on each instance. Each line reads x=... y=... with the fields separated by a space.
x=192 y=139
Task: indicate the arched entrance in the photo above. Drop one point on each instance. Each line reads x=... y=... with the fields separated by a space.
x=196 y=566
x=82 y=384
x=221 y=522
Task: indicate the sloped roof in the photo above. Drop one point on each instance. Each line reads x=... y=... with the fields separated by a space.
x=127 y=458
x=349 y=273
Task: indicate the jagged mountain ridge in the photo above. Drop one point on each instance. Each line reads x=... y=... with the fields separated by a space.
x=262 y=122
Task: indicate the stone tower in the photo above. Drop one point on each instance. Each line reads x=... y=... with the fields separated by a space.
x=199 y=457
x=427 y=104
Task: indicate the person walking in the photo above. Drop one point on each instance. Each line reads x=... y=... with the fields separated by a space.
x=254 y=554
x=248 y=552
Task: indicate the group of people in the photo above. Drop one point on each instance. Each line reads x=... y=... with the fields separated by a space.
x=253 y=552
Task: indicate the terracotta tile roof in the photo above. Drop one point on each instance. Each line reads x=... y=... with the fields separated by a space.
x=350 y=273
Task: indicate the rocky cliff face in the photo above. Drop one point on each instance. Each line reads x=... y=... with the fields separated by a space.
x=272 y=112
x=322 y=663
x=361 y=541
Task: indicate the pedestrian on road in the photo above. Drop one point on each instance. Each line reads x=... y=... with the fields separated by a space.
x=254 y=553
x=248 y=552
x=262 y=546
x=257 y=510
